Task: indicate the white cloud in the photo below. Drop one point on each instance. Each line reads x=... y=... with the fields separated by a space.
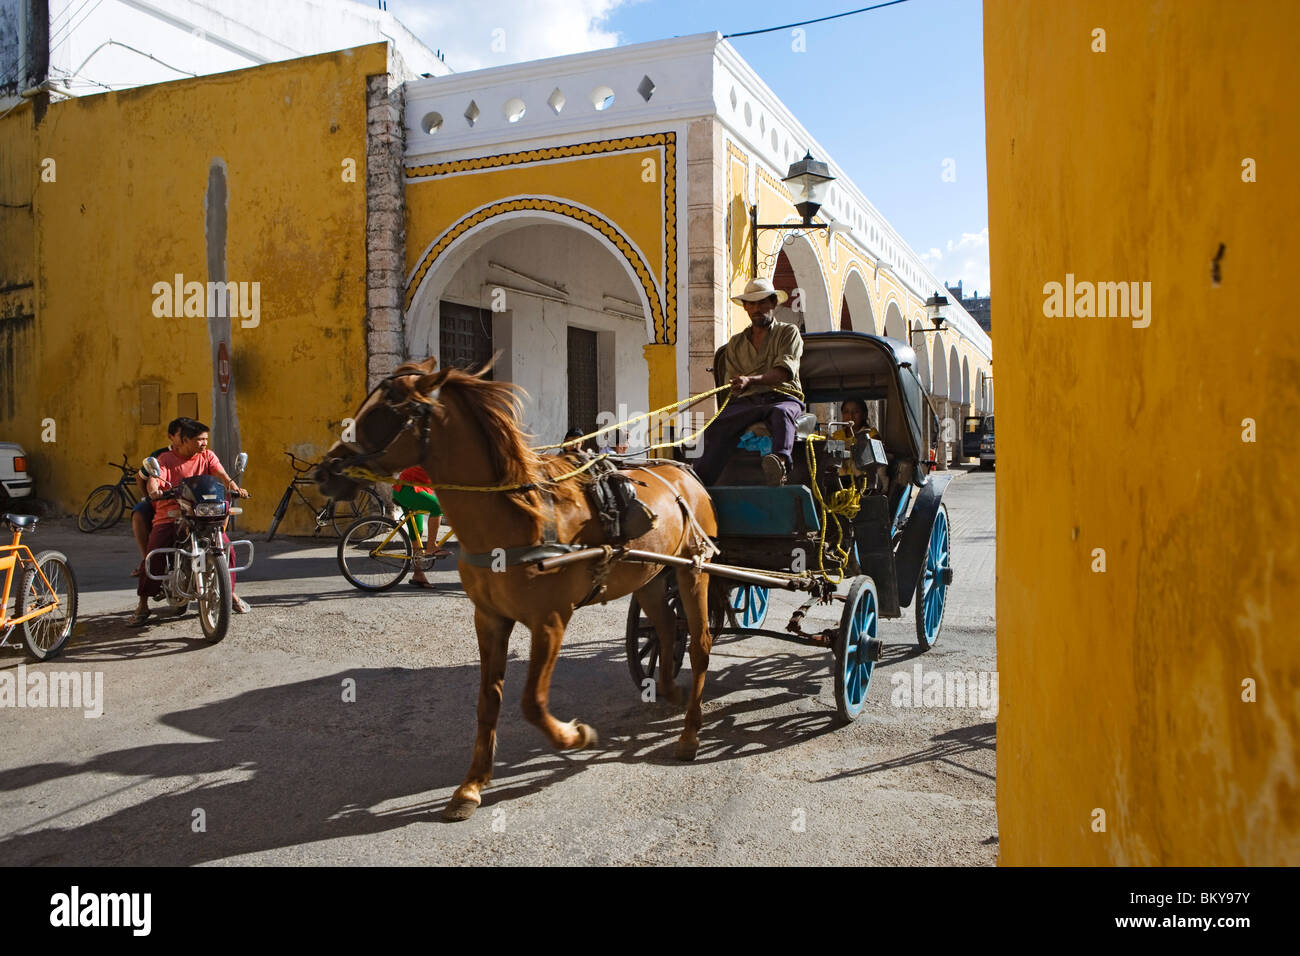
x=472 y=36
x=966 y=259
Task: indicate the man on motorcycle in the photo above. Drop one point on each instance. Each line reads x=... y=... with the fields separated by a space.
x=188 y=458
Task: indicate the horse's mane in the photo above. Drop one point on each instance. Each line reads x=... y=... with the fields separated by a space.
x=496 y=407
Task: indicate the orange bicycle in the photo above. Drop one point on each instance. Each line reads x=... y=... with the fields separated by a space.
x=45 y=607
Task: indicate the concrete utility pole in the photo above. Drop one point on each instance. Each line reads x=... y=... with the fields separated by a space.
x=225 y=440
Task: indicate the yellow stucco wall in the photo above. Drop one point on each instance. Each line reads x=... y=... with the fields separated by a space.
x=623 y=189
x=127 y=211
x=1122 y=690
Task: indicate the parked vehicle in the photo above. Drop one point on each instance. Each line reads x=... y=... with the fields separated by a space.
x=198 y=568
x=105 y=505
x=15 y=481
x=972 y=432
x=986 y=444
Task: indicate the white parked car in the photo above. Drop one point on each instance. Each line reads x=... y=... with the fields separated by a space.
x=15 y=480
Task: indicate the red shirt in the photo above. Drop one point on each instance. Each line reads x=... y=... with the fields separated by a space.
x=174 y=470
x=412 y=475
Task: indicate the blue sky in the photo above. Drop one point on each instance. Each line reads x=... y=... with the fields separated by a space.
x=892 y=93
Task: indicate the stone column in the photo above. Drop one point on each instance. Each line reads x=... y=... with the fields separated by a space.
x=385 y=227
x=706 y=218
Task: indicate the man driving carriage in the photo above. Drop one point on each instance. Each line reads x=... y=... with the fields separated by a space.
x=763 y=369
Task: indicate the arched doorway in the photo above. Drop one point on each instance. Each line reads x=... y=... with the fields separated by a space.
x=855 y=305
x=799 y=274
x=895 y=327
x=562 y=307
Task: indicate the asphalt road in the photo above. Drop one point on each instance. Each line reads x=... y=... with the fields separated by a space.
x=246 y=751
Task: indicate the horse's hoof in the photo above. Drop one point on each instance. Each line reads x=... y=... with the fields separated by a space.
x=459 y=809
x=687 y=751
x=587 y=737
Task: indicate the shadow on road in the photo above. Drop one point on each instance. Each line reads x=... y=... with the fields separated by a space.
x=293 y=764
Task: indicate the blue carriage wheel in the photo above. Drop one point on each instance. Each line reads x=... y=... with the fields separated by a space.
x=932 y=588
x=749 y=601
x=853 y=660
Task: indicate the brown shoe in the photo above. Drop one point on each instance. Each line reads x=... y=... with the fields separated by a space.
x=773 y=470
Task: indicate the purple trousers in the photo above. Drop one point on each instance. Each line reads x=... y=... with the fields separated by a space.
x=720 y=438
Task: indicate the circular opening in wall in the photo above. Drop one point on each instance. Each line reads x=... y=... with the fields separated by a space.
x=602 y=97
x=749 y=115
x=514 y=109
x=431 y=123
x=734 y=99
x=775 y=142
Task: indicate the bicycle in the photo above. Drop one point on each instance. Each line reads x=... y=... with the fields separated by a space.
x=45 y=607
x=371 y=560
x=336 y=512
x=104 y=506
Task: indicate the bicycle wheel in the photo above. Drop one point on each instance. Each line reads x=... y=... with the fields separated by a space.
x=214 y=596
x=374 y=553
x=102 y=509
x=46 y=635
x=279 y=513
x=364 y=504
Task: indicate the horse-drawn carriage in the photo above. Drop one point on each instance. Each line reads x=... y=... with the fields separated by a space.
x=860 y=523
x=843 y=518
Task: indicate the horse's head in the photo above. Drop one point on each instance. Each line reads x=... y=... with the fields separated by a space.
x=391 y=431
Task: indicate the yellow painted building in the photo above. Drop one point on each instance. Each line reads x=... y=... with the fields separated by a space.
x=1146 y=517
x=605 y=198
x=110 y=197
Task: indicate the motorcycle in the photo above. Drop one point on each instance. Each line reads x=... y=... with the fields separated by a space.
x=198 y=568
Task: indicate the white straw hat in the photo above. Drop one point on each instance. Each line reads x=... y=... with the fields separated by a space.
x=758 y=290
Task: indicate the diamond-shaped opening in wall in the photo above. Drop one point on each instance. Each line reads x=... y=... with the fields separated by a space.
x=733 y=98
x=749 y=115
x=646 y=88
x=762 y=124
x=776 y=144
x=514 y=109
x=602 y=97
x=431 y=123
x=556 y=101
x=472 y=113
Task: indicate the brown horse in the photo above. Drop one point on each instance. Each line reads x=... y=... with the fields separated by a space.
x=465 y=431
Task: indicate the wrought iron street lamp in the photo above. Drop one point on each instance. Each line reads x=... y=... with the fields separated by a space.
x=807 y=180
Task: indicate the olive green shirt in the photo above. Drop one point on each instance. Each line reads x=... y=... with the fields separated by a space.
x=782 y=348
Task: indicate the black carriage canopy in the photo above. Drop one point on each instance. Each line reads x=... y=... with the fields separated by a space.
x=841 y=365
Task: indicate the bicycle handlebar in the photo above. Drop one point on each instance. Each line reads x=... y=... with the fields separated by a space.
x=294 y=460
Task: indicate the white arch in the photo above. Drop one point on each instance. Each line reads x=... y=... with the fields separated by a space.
x=859 y=302
x=895 y=327
x=965 y=380
x=954 y=374
x=422 y=316
x=814 y=296
x=922 y=357
x=938 y=368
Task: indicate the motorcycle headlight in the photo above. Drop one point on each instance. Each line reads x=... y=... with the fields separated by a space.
x=209 y=510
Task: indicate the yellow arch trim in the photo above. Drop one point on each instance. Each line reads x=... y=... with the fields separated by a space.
x=480 y=216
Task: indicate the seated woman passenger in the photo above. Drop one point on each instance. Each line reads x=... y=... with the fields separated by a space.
x=854 y=411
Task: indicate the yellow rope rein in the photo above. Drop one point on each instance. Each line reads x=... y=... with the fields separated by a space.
x=367 y=474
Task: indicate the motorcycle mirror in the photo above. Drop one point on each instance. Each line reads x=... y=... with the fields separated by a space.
x=241 y=463
x=151 y=467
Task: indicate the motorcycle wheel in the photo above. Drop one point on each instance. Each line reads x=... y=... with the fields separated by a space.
x=214 y=596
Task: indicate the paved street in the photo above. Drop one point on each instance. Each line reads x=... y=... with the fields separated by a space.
x=254 y=732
